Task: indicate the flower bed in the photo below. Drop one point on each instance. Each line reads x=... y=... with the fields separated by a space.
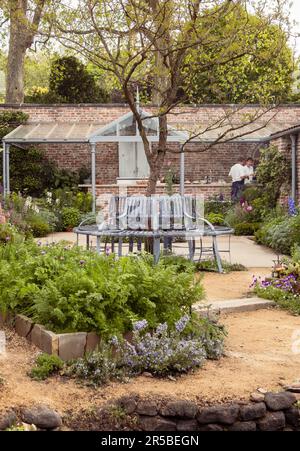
x=162 y=352
x=67 y=289
x=284 y=289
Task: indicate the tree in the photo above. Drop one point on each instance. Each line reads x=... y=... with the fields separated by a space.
x=24 y=17
x=70 y=82
x=266 y=70
x=136 y=40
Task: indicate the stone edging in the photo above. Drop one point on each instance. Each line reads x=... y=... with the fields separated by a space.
x=263 y=412
x=67 y=346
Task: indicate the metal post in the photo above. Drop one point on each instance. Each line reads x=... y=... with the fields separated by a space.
x=7 y=170
x=93 y=162
x=216 y=254
x=4 y=169
x=294 y=163
x=182 y=170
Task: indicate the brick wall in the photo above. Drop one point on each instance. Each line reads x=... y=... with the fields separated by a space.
x=214 y=162
x=188 y=115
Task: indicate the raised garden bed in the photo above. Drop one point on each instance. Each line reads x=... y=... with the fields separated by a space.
x=67 y=346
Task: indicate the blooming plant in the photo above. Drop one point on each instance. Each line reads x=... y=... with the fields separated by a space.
x=285 y=290
x=292 y=207
x=166 y=350
x=162 y=352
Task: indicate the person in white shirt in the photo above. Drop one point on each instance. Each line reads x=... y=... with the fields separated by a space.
x=249 y=171
x=238 y=175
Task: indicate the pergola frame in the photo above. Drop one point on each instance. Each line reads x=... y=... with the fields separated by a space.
x=91 y=138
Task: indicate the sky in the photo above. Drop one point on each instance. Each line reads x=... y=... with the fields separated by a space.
x=295 y=15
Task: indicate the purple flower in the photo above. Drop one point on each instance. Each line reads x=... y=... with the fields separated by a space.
x=161 y=328
x=292 y=207
x=81 y=262
x=181 y=323
x=7 y=238
x=140 y=325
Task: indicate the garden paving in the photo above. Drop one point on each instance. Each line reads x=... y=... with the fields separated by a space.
x=243 y=249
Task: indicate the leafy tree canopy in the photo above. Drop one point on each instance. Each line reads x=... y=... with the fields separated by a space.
x=70 y=81
x=264 y=72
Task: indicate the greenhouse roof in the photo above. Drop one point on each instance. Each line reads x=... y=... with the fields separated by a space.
x=122 y=129
x=125 y=129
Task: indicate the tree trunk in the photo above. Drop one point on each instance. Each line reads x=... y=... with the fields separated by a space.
x=22 y=32
x=152 y=181
x=15 y=65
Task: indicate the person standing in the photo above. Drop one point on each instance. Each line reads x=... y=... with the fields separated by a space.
x=249 y=171
x=238 y=175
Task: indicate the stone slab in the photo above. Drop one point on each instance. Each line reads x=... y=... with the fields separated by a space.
x=92 y=341
x=35 y=335
x=72 y=345
x=49 y=342
x=23 y=325
x=236 y=305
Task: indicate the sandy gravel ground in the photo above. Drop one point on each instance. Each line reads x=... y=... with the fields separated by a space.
x=258 y=355
x=234 y=285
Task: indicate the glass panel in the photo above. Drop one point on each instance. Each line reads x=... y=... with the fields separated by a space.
x=41 y=132
x=127 y=127
x=22 y=131
x=111 y=131
x=151 y=126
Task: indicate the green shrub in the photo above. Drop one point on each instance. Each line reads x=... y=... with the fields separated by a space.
x=215 y=218
x=280 y=233
x=287 y=301
x=71 y=289
x=216 y=206
x=246 y=228
x=9 y=234
x=237 y=214
x=70 y=217
x=272 y=173
x=97 y=367
x=38 y=226
x=46 y=365
x=181 y=264
x=252 y=193
x=210 y=265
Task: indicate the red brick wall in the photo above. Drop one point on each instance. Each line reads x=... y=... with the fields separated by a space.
x=187 y=115
x=214 y=162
